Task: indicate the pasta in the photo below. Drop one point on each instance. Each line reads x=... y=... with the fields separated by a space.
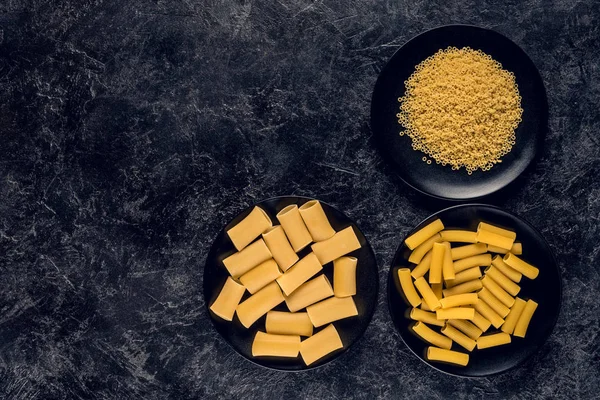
x=259 y=304
x=502 y=281
x=455 y=313
x=468 y=251
x=260 y=276
x=428 y=296
x=458 y=337
x=437 y=258
x=497 y=339
x=489 y=314
x=499 y=293
x=465 y=276
x=491 y=238
x=229 y=297
x=459 y=236
x=466 y=287
x=419 y=237
x=316 y=221
x=249 y=228
x=344 y=276
x=492 y=301
x=280 y=247
x=459 y=300
x=417 y=255
x=525 y=319
x=449 y=356
x=287 y=323
x=497 y=230
x=447 y=265
x=425 y=316
x=517 y=249
x=320 y=344
x=340 y=244
x=466 y=327
x=437 y=290
x=331 y=309
x=301 y=272
x=513 y=316
x=423 y=266
x=294 y=227
x=309 y=293
x=525 y=268
x=431 y=336
x=509 y=272
x=480 y=321
x=473 y=261
x=408 y=287
x=267 y=344
x=243 y=261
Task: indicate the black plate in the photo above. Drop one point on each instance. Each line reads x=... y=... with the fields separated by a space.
x=545 y=290
x=435 y=179
x=350 y=329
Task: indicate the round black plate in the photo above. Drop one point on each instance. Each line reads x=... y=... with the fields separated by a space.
x=350 y=329
x=545 y=290
x=435 y=179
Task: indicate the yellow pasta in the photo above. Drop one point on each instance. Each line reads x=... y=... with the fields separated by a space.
x=447 y=265
x=468 y=251
x=491 y=238
x=466 y=327
x=488 y=313
x=481 y=322
x=523 y=267
x=449 y=356
x=437 y=258
x=464 y=276
x=249 y=228
x=459 y=236
x=486 y=295
x=331 y=309
x=513 y=316
x=408 y=287
x=316 y=221
x=280 y=247
x=455 y=313
x=259 y=304
x=525 y=319
x=481 y=260
x=301 y=272
x=288 y=323
x=419 y=237
x=229 y=298
x=505 y=283
x=497 y=230
x=243 y=261
x=459 y=337
x=344 y=276
x=423 y=266
x=499 y=293
x=267 y=344
x=466 y=287
x=496 y=339
x=425 y=316
x=294 y=227
x=260 y=276
x=340 y=244
x=431 y=336
x=320 y=344
x=459 y=300
x=509 y=272
x=437 y=290
x=309 y=293
x=428 y=295
x=417 y=255
x=517 y=248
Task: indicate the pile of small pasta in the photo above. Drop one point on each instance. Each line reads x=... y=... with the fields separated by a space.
x=272 y=272
x=457 y=297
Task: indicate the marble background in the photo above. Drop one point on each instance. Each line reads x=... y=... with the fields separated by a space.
x=131 y=131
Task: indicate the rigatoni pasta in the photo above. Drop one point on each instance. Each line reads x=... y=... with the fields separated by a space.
x=261 y=275
x=316 y=221
x=423 y=234
x=431 y=336
x=496 y=339
x=460 y=236
x=279 y=246
x=320 y=344
x=257 y=305
x=417 y=255
x=243 y=261
x=311 y=292
x=408 y=287
x=344 y=276
x=448 y=356
x=249 y=228
x=525 y=319
x=301 y=272
x=340 y=244
x=294 y=227
x=331 y=309
x=268 y=344
x=229 y=297
x=288 y=323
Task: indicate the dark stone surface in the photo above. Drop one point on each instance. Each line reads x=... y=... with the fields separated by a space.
x=131 y=131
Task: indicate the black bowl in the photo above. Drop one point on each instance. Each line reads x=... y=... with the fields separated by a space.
x=441 y=181
x=350 y=329
x=545 y=290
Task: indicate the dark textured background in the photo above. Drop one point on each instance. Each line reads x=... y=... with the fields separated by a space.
x=131 y=131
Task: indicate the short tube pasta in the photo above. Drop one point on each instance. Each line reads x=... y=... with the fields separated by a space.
x=316 y=221
x=257 y=305
x=486 y=295
x=499 y=293
x=427 y=317
x=279 y=246
x=288 y=323
x=496 y=339
x=344 y=276
x=525 y=319
x=517 y=249
x=465 y=276
x=260 y=276
x=513 y=316
x=340 y=244
x=417 y=255
x=459 y=300
x=505 y=283
x=509 y=272
x=243 y=261
x=294 y=227
x=448 y=274
x=488 y=313
x=267 y=344
x=309 y=293
x=301 y=272
x=249 y=228
x=523 y=267
x=437 y=259
x=331 y=309
x=466 y=287
x=459 y=236
x=229 y=297
x=431 y=336
x=423 y=234
x=449 y=356
x=455 y=313
x=429 y=296
x=473 y=261
x=423 y=266
x=320 y=344
x=458 y=337
x=408 y=287
x=480 y=321
x=493 y=239
x=469 y=250
x=497 y=230
x=466 y=327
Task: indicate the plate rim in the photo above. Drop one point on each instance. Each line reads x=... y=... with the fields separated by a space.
x=345 y=350
x=555 y=263
x=540 y=140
